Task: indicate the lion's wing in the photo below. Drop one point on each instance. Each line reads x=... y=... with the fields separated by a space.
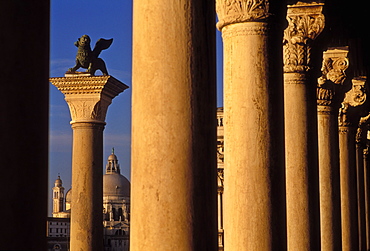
x=102 y=44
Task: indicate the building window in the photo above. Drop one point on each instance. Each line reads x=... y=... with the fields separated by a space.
x=56 y=247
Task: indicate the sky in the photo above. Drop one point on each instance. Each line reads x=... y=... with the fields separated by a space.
x=70 y=19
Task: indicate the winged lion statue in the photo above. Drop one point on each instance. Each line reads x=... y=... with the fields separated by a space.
x=89 y=59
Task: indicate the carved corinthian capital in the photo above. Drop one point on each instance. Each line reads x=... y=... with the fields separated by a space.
x=335 y=63
x=237 y=11
x=305 y=23
x=363 y=126
x=353 y=102
x=88 y=98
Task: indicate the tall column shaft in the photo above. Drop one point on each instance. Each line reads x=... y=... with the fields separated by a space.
x=329 y=179
x=301 y=165
x=361 y=144
x=174 y=174
x=87 y=184
x=348 y=188
x=305 y=23
x=334 y=65
x=254 y=173
x=349 y=120
x=367 y=195
x=361 y=195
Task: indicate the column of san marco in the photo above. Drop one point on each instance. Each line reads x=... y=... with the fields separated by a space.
x=88 y=98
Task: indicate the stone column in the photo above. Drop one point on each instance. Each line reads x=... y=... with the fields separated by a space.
x=254 y=216
x=348 y=121
x=367 y=192
x=305 y=23
x=361 y=138
x=335 y=62
x=88 y=98
x=173 y=158
x=24 y=109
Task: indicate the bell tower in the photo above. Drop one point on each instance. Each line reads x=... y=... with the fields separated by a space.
x=58 y=196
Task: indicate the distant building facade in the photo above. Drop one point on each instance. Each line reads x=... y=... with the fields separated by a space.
x=220 y=176
x=116 y=211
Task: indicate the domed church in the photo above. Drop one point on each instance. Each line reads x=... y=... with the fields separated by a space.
x=116 y=210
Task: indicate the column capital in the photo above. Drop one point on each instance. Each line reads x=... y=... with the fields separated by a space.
x=335 y=63
x=354 y=100
x=324 y=96
x=305 y=23
x=239 y=11
x=88 y=97
x=366 y=152
x=357 y=95
x=362 y=130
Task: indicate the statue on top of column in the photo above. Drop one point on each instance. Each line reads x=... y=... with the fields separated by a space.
x=87 y=58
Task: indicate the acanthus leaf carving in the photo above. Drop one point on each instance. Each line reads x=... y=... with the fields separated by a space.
x=334 y=65
x=305 y=23
x=237 y=11
x=324 y=96
x=353 y=102
x=361 y=135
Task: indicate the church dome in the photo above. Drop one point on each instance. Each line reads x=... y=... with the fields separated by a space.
x=58 y=182
x=69 y=196
x=114 y=184
x=112 y=157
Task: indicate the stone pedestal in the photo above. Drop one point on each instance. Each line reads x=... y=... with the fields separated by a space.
x=335 y=62
x=254 y=173
x=305 y=23
x=88 y=98
x=173 y=158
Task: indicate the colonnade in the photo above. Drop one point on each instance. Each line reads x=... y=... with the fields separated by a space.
x=88 y=98
x=313 y=198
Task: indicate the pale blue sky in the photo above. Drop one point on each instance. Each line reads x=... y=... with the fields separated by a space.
x=70 y=19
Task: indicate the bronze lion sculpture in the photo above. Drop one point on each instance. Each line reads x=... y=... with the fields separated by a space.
x=87 y=58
